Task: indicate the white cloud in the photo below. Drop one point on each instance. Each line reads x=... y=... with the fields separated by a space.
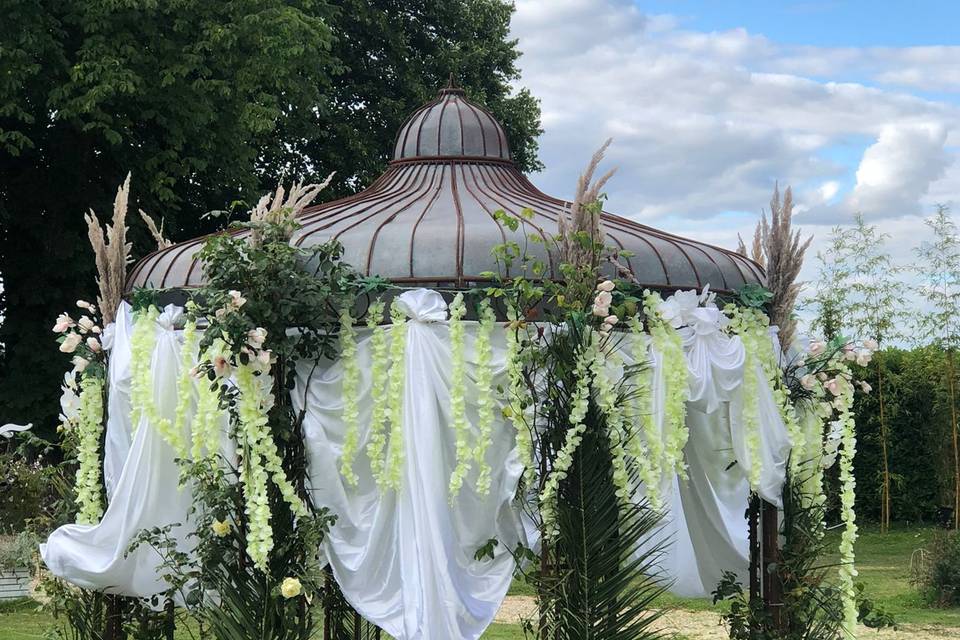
x=706 y=123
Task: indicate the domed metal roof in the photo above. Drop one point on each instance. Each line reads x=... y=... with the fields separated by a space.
x=451 y=126
x=429 y=219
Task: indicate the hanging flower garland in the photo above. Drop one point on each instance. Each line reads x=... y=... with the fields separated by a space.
x=848 y=483
x=379 y=368
x=668 y=343
x=580 y=404
x=261 y=461
x=90 y=430
x=744 y=323
x=616 y=423
x=485 y=402
x=519 y=394
x=205 y=433
x=646 y=447
x=458 y=404
x=142 y=343
x=351 y=384
x=398 y=346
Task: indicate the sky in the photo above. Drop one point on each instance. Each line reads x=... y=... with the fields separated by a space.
x=855 y=105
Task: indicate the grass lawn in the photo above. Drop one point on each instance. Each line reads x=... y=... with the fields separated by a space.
x=882 y=559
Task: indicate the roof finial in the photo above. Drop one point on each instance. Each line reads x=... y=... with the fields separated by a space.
x=452 y=86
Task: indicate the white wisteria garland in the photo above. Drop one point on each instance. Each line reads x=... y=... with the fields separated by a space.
x=458 y=402
x=485 y=403
x=519 y=394
x=377 y=445
x=580 y=404
x=89 y=431
x=395 y=390
x=646 y=447
x=668 y=344
x=351 y=384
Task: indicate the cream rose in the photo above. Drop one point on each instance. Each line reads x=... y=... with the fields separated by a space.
x=290 y=588
x=70 y=343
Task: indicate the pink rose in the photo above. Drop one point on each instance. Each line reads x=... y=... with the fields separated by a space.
x=600 y=312
x=603 y=299
x=871 y=344
x=93 y=344
x=833 y=386
x=256 y=337
x=611 y=320
x=808 y=382
x=264 y=357
x=80 y=363
x=863 y=357
x=817 y=347
x=85 y=324
x=221 y=366
x=64 y=322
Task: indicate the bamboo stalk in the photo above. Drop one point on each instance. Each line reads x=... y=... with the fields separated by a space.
x=956 y=441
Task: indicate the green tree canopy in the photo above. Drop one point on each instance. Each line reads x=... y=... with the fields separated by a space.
x=204 y=102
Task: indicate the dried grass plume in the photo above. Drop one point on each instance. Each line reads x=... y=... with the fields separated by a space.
x=283 y=207
x=584 y=214
x=112 y=253
x=782 y=250
x=162 y=242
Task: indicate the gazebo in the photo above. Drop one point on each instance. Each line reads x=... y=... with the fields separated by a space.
x=428 y=220
x=428 y=224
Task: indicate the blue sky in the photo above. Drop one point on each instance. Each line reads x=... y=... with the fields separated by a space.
x=855 y=105
x=822 y=23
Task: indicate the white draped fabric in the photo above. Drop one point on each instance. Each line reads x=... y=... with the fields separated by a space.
x=405 y=559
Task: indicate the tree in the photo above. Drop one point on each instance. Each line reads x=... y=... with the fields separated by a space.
x=871 y=312
x=939 y=266
x=202 y=101
x=829 y=301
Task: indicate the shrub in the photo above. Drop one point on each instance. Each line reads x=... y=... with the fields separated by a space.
x=939 y=577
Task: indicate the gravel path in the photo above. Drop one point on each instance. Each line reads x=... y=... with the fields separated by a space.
x=705 y=625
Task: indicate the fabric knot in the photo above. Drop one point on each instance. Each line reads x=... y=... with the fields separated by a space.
x=170 y=317
x=423 y=305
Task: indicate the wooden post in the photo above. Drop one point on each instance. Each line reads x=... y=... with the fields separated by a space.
x=753 y=523
x=169 y=619
x=113 y=625
x=770 y=541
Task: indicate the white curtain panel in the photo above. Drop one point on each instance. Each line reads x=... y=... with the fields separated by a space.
x=405 y=559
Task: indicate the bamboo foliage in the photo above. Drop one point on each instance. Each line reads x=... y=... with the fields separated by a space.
x=938 y=266
x=112 y=253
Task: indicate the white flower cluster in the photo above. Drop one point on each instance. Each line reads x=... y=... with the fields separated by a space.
x=608 y=403
x=751 y=326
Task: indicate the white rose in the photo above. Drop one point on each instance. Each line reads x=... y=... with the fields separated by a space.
x=256 y=337
x=817 y=347
x=70 y=343
x=871 y=344
x=83 y=304
x=86 y=324
x=606 y=285
x=221 y=366
x=80 y=363
x=290 y=588
x=603 y=299
x=863 y=357
x=808 y=382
